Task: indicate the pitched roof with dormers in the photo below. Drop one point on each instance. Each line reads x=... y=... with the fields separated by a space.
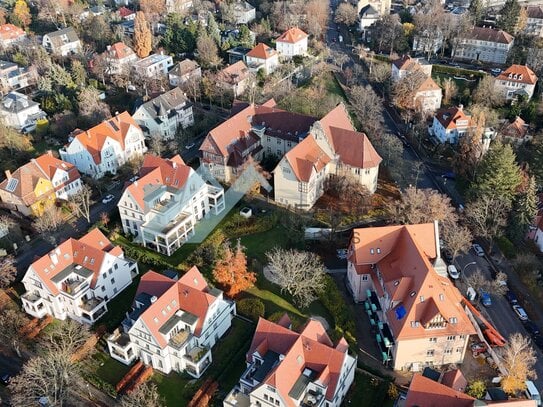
x=292 y=36
x=450 y=118
x=292 y=354
x=88 y=252
x=425 y=304
x=262 y=51
x=190 y=294
x=115 y=128
x=489 y=35
x=306 y=157
x=535 y=12
x=23 y=181
x=518 y=74
x=49 y=165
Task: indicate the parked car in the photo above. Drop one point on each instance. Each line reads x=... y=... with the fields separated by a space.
x=453 y=272
x=532 y=328
x=341 y=254
x=5 y=378
x=520 y=312
x=108 y=198
x=134 y=178
x=478 y=348
x=485 y=299
x=447 y=255
x=478 y=249
x=511 y=297
x=449 y=175
x=496 y=71
x=189 y=146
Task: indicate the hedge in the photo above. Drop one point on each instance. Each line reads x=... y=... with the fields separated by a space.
x=456 y=71
x=251 y=308
x=333 y=301
x=508 y=249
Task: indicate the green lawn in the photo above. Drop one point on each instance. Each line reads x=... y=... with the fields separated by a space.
x=258 y=244
x=175 y=389
x=109 y=369
x=367 y=391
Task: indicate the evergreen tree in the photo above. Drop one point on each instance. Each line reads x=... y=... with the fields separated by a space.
x=142 y=36
x=178 y=37
x=244 y=37
x=498 y=174
x=476 y=10
x=524 y=212
x=213 y=29
x=509 y=17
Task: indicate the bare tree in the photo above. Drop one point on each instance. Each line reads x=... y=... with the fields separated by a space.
x=208 y=53
x=487 y=216
x=477 y=281
x=91 y=108
x=458 y=238
x=301 y=274
x=65 y=337
x=486 y=93
x=317 y=12
x=157 y=144
x=145 y=395
x=404 y=90
x=519 y=359
x=449 y=90
x=346 y=14
x=368 y=107
x=80 y=203
x=391 y=149
x=11 y=322
x=8 y=271
x=49 y=222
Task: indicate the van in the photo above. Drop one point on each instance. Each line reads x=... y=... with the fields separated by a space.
x=532 y=393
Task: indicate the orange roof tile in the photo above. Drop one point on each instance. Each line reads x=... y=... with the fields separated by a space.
x=120 y=50
x=10 y=32
x=454 y=379
x=49 y=165
x=234 y=74
x=490 y=35
x=449 y=118
x=518 y=74
x=516 y=129
x=262 y=51
x=306 y=157
x=27 y=177
x=405 y=62
x=292 y=36
x=354 y=148
x=424 y=392
x=190 y=293
x=428 y=84
x=403 y=255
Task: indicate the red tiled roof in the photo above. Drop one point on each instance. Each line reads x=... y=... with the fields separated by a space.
x=424 y=392
x=262 y=51
x=233 y=74
x=490 y=35
x=125 y=12
x=535 y=12
x=515 y=129
x=190 y=293
x=120 y=50
x=518 y=74
x=306 y=157
x=405 y=62
x=10 y=32
x=292 y=36
x=49 y=165
x=455 y=380
x=449 y=117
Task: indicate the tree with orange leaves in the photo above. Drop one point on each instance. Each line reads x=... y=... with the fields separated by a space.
x=231 y=271
x=142 y=36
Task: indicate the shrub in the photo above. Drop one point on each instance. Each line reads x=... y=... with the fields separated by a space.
x=251 y=308
x=508 y=249
x=477 y=389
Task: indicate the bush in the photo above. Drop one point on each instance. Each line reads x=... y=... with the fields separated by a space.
x=333 y=301
x=251 y=308
x=451 y=70
x=476 y=389
x=508 y=249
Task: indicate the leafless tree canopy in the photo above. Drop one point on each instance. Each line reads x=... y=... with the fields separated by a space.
x=301 y=274
x=8 y=271
x=519 y=359
x=368 y=107
x=11 y=322
x=478 y=282
x=66 y=337
x=145 y=395
x=457 y=238
x=81 y=202
x=487 y=216
x=49 y=222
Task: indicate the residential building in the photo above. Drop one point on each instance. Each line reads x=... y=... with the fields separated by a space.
x=262 y=57
x=534 y=22
x=367 y=16
x=398 y=273
x=126 y=14
x=449 y=125
x=427 y=95
x=178 y=6
x=62 y=42
x=64 y=176
x=153 y=66
x=292 y=42
x=237 y=54
x=428 y=42
x=11 y=34
x=251 y=131
x=185 y=71
x=162 y=207
x=106 y=146
x=119 y=58
x=244 y=12
x=18 y=110
x=515 y=132
x=77 y=279
x=516 y=81
x=381 y=6
x=484 y=44
x=128 y=27
x=162 y=116
x=332 y=148
x=234 y=78
x=405 y=65
x=173 y=325
x=537 y=235
x=287 y=368
x=13 y=77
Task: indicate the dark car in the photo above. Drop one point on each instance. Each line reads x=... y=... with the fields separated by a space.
x=532 y=328
x=447 y=255
x=5 y=378
x=511 y=297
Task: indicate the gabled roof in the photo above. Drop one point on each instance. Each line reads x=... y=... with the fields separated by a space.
x=10 y=32
x=49 y=165
x=156 y=171
x=87 y=252
x=449 y=118
x=518 y=74
x=262 y=51
x=403 y=255
x=535 y=12
x=233 y=74
x=190 y=294
x=292 y=36
x=166 y=104
x=62 y=37
x=184 y=67
x=490 y=35
x=454 y=379
x=427 y=84
x=405 y=62
x=125 y=12
x=516 y=129
x=23 y=182
x=293 y=354
x=119 y=50
x=115 y=128
x=15 y=102
x=306 y=157
x=424 y=392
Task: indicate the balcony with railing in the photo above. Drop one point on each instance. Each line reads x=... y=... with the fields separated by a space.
x=34 y=304
x=236 y=398
x=120 y=347
x=180 y=339
x=197 y=360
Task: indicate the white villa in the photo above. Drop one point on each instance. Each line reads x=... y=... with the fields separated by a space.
x=292 y=42
x=162 y=207
x=173 y=324
x=105 y=147
x=77 y=279
x=18 y=110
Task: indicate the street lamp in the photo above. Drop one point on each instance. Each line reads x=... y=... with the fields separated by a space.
x=467 y=265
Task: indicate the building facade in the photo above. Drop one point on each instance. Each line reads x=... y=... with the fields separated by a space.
x=406 y=65
x=11 y=34
x=62 y=42
x=449 y=125
x=13 y=77
x=173 y=324
x=262 y=57
x=184 y=72
x=105 y=147
x=119 y=58
x=291 y=43
x=162 y=207
x=516 y=81
x=19 y=111
x=534 y=22
x=77 y=279
x=153 y=66
x=484 y=44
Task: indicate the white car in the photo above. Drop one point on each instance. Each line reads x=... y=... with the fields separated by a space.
x=107 y=199
x=478 y=249
x=453 y=272
x=189 y=146
x=520 y=312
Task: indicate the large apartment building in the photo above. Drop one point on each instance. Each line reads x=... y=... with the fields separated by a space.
x=484 y=44
x=77 y=279
x=162 y=207
x=173 y=324
x=287 y=368
x=418 y=312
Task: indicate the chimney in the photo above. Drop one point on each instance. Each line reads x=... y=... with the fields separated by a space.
x=109 y=47
x=50 y=152
x=8 y=174
x=436 y=237
x=153 y=299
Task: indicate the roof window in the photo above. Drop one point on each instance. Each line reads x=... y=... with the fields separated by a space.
x=412 y=293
